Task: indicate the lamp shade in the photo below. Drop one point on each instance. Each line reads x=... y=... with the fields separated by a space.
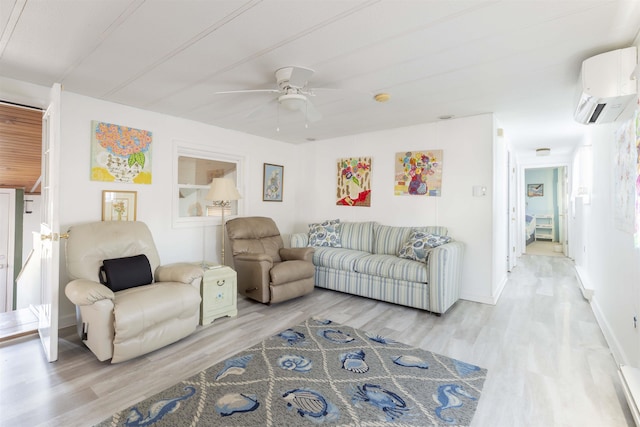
x=223 y=189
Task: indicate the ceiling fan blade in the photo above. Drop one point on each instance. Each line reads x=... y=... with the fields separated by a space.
x=247 y=91
x=312 y=113
x=300 y=76
x=256 y=111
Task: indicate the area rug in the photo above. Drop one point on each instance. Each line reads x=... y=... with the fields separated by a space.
x=319 y=372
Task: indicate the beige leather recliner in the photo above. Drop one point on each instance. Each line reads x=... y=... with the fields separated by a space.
x=267 y=271
x=128 y=323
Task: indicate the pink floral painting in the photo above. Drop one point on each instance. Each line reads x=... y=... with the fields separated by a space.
x=354 y=181
x=418 y=173
x=120 y=153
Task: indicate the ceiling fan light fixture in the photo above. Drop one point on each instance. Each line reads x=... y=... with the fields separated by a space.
x=543 y=151
x=293 y=101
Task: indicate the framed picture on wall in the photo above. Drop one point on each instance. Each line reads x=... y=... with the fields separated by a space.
x=535 y=190
x=119 y=205
x=272 y=181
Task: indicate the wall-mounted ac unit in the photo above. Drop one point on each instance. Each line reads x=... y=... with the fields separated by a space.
x=607 y=86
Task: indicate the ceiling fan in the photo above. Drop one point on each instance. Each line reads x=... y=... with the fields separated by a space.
x=293 y=93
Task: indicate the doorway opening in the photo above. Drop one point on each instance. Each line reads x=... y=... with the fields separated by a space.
x=545 y=211
x=20 y=169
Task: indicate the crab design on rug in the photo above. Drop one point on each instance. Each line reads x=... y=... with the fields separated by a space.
x=389 y=402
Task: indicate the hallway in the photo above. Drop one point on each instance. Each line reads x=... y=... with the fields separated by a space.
x=540 y=247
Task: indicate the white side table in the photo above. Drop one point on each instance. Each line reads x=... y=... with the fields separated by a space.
x=219 y=292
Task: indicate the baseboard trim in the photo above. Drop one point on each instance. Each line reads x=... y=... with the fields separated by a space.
x=478 y=298
x=66 y=321
x=584 y=283
x=616 y=349
x=630 y=379
x=484 y=299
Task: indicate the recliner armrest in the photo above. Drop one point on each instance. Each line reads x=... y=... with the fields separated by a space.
x=302 y=254
x=182 y=272
x=87 y=292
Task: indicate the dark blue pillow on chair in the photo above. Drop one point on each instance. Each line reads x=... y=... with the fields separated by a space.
x=124 y=273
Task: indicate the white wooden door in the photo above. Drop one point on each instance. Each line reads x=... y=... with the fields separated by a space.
x=563 y=198
x=49 y=227
x=513 y=224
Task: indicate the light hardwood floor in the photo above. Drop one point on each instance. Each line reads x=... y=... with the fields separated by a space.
x=548 y=362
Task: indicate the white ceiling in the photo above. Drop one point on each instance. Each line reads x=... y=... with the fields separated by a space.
x=518 y=59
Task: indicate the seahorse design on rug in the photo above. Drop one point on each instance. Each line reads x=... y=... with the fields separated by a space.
x=157 y=410
x=449 y=397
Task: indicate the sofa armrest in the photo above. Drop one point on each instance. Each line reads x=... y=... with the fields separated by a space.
x=181 y=272
x=445 y=275
x=87 y=292
x=299 y=240
x=302 y=254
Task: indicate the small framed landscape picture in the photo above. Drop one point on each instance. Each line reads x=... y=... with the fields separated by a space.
x=272 y=181
x=119 y=205
x=535 y=190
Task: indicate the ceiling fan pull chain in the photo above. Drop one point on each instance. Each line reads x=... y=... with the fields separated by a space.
x=278 y=117
x=306 y=115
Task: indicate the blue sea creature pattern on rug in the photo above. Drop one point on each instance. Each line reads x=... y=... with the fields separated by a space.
x=311 y=405
x=409 y=361
x=157 y=410
x=392 y=405
x=448 y=397
x=292 y=337
x=318 y=372
x=380 y=339
x=292 y=362
x=232 y=403
x=354 y=361
x=465 y=369
x=234 y=366
x=335 y=335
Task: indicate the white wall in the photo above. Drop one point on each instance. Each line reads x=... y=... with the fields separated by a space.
x=80 y=198
x=607 y=261
x=609 y=264
x=470 y=156
x=468 y=160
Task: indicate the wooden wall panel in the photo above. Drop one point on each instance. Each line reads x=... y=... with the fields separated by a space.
x=20 y=147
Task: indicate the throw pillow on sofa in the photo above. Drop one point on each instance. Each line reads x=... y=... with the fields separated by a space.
x=419 y=244
x=326 y=233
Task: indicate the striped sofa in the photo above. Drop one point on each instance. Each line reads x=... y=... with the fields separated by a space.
x=367 y=265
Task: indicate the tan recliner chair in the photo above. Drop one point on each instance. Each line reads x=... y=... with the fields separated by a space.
x=267 y=271
x=128 y=323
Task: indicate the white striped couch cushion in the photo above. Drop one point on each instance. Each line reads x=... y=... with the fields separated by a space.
x=337 y=258
x=357 y=236
x=392 y=267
